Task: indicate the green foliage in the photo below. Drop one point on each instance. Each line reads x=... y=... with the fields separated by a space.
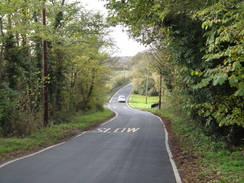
x=7 y=100
x=77 y=69
x=141 y=87
x=205 y=45
x=146 y=19
x=143 y=81
x=225 y=56
x=120 y=81
x=160 y=63
x=213 y=155
x=51 y=135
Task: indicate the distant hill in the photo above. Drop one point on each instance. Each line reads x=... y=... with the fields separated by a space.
x=123 y=58
x=120 y=63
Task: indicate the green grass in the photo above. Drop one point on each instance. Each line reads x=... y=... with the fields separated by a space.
x=215 y=157
x=51 y=135
x=139 y=101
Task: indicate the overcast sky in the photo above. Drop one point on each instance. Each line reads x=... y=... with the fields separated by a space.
x=126 y=46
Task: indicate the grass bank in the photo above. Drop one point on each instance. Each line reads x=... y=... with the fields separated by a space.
x=199 y=158
x=12 y=147
x=139 y=101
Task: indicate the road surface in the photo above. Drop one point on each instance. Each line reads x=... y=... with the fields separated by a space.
x=127 y=149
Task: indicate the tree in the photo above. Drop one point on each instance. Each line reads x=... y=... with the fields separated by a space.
x=76 y=42
x=224 y=55
x=160 y=62
x=143 y=82
x=205 y=40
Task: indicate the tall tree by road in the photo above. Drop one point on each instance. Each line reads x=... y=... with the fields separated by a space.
x=205 y=40
x=74 y=38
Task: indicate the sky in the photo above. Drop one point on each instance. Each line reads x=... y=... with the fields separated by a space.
x=126 y=46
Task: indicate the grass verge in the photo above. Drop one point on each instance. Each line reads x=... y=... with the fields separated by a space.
x=12 y=147
x=199 y=158
x=139 y=101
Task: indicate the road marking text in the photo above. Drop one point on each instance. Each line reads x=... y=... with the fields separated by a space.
x=117 y=130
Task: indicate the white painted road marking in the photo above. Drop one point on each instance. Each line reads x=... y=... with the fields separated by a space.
x=132 y=129
x=117 y=130
x=23 y=157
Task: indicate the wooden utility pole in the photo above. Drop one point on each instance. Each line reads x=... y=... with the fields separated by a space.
x=160 y=91
x=44 y=69
x=147 y=85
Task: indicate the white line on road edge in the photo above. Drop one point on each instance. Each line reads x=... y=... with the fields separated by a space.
x=14 y=160
x=78 y=135
x=116 y=115
x=174 y=167
x=127 y=103
x=17 y=159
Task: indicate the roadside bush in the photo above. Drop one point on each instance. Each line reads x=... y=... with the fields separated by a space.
x=121 y=81
x=140 y=87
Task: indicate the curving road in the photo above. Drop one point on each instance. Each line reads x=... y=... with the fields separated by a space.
x=127 y=149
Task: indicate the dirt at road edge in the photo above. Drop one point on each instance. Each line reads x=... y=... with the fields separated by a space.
x=186 y=162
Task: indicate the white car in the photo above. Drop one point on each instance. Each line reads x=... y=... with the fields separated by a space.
x=121 y=98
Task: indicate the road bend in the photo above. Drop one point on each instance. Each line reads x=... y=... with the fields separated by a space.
x=130 y=148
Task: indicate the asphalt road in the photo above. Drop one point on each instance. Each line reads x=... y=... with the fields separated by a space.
x=128 y=149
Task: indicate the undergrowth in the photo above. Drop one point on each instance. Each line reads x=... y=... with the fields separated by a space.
x=13 y=146
x=218 y=161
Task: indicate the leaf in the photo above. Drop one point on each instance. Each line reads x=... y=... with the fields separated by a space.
x=220 y=79
x=233 y=80
x=240 y=92
x=236 y=65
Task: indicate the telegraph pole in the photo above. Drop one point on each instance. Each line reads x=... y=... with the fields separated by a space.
x=160 y=91
x=44 y=69
x=147 y=85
